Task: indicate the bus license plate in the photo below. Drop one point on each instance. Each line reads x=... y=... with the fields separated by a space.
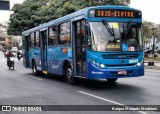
x=123 y=72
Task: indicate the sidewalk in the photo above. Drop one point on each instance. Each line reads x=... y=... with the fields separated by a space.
x=156 y=65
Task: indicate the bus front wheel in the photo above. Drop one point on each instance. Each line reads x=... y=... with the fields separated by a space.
x=112 y=80
x=69 y=75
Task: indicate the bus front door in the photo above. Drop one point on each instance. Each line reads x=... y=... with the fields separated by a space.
x=80 y=46
x=43 y=49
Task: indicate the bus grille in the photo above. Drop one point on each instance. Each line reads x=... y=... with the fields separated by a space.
x=119 y=65
x=119 y=56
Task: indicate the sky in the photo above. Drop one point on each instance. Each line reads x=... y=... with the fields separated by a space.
x=150 y=10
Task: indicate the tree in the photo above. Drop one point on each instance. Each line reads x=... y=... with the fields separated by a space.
x=157 y=33
x=147 y=33
x=25 y=16
x=151 y=30
x=35 y=12
x=111 y=2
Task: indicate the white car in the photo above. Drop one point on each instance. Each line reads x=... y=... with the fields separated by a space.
x=14 y=52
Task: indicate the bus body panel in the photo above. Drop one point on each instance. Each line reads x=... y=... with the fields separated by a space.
x=24 y=58
x=52 y=60
x=95 y=72
x=57 y=55
x=56 y=59
x=114 y=65
x=76 y=14
x=34 y=54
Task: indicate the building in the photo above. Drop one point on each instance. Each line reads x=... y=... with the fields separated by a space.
x=8 y=41
x=17 y=41
x=3 y=34
x=5 y=39
x=4 y=4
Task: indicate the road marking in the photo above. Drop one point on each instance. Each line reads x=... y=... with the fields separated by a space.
x=36 y=78
x=111 y=101
x=100 y=98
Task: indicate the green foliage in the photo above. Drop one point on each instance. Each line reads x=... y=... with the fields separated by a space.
x=35 y=12
x=151 y=30
x=24 y=16
x=110 y=2
x=147 y=29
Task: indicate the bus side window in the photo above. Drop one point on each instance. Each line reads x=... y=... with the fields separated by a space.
x=64 y=33
x=52 y=39
x=89 y=43
x=32 y=39
x=37 y=39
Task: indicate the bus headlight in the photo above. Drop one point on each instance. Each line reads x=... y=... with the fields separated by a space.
x=101 y=65
x=94 y=62
x=97 y=63
x=139 y=63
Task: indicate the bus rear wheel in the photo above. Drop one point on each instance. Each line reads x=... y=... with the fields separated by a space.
x=112 y=80
x=69 y=75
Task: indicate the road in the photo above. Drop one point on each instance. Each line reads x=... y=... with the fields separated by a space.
x=21 y=87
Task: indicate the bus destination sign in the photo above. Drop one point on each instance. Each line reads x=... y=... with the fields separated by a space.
x=117 y=13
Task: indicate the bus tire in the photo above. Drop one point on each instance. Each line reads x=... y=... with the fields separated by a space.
x=111 y=81
x=69 y=75
x=34 y=68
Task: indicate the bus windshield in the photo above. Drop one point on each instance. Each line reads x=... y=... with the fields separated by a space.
x=124 y=37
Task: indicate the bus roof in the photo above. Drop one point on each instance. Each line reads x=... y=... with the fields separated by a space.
x=75 y=14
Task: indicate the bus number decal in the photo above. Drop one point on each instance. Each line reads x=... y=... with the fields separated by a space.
x=133 y=60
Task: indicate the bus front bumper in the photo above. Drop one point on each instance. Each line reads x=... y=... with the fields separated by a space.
x=95 y=72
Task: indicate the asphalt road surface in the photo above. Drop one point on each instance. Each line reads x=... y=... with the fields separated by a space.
x=21 y=87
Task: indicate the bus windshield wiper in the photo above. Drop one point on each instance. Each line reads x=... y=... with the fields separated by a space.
x=109 y=29
x=128 y=26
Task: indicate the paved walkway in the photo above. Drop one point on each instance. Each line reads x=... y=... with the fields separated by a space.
x=156 y=65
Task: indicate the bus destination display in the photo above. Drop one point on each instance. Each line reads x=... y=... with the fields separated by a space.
x=117 y=13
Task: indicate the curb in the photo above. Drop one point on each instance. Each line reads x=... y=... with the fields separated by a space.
x=152 y=61
x=152 y=67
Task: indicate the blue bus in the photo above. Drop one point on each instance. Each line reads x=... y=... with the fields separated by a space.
x=101 y=42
